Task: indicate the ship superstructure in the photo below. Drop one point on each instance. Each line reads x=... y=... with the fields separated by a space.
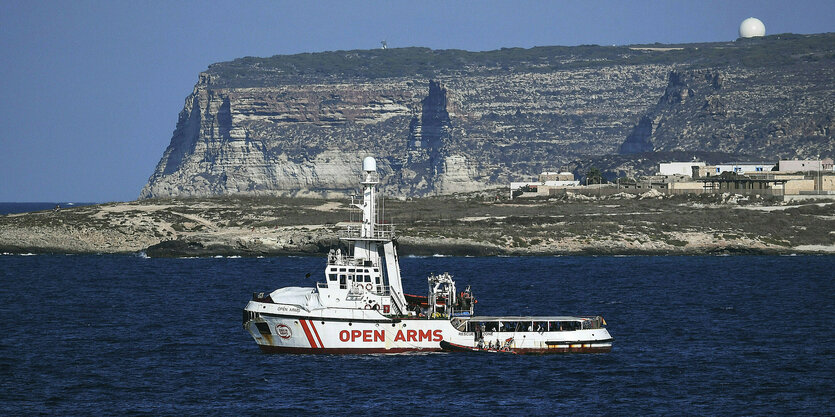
x=360 y=306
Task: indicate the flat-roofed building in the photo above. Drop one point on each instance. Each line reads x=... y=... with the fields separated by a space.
x=798 y=165
x=547 y=181
x=556 y=176
x=735 y=167
x=678 y=168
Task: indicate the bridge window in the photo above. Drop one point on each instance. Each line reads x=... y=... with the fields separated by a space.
x=332 y=277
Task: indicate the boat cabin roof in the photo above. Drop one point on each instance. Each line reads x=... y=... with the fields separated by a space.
x=529 y=318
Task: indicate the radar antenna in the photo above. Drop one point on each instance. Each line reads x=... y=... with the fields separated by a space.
x=384 y=45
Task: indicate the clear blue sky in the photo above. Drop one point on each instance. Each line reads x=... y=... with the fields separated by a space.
x=91 y=90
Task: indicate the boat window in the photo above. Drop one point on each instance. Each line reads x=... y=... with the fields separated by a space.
x=554 y=326
x=376 y=270
x=491 y=326
x=332 y=277
x=378 y=279
x=352 y=270
x=341 y=269
x=368 y=278
x=509 y=326
x=342 y=284
x=540 y=326
x=524 y=326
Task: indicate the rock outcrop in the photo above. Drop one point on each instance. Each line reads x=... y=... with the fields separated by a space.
x=763 y=113
x=442 y=122
x=640 y=140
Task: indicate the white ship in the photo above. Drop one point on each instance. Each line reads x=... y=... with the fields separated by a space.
x=360 y=307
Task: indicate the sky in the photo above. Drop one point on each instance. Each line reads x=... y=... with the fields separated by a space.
x=91 y=90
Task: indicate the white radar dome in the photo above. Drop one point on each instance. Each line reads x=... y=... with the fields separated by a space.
x=369 y=164
x=751 y=27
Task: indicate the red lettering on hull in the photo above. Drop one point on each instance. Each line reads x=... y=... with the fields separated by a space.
x=364 y=335
x=419 y=336
x=425 y=335
x=401 y=336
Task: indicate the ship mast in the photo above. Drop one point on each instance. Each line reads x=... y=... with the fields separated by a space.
x=371 y=236
x=369 y=197
x=365 y=246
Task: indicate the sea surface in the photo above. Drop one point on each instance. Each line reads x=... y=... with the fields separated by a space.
x=739 y=335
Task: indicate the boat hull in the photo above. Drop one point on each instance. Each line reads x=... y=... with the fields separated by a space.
x=363 y=334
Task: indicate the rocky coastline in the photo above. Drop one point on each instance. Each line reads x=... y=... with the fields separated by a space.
x=476 y=224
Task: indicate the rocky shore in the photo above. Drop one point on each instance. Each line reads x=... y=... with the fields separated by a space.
x=475 y=224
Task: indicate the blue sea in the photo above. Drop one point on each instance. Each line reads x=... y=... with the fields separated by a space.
x=739 y=335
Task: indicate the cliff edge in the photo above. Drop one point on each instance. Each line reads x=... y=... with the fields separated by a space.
x=448 y=121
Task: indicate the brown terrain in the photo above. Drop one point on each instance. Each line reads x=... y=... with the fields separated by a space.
x=481 y=223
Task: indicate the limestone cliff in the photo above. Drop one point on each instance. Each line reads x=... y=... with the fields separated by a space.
x=441 y=122
x=766 y=114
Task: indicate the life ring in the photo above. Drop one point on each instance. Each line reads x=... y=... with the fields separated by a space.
x=367 y=307
x=369 y=286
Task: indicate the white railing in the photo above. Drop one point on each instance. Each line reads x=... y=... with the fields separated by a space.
x=381 y=232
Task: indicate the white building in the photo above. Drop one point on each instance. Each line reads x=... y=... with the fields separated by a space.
x=678 y=168
x=742 y=167
x=547 y=180
x=796 y=165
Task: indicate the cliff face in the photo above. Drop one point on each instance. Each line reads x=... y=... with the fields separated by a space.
x=290 y=139
x=435 y=136
x=764 y=113
x=447 y=121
